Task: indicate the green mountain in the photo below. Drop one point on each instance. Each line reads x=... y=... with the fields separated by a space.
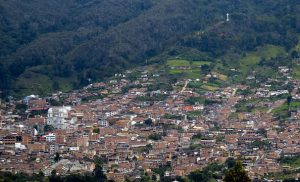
x=58 y=44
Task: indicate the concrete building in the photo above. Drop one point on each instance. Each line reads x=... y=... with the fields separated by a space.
x=51 y=137
x=59 y=118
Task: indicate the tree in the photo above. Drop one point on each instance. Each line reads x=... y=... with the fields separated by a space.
x=161 y=170
x=96 y=130
x=262 y=61
x=295 y=54
x=289 y=87
x=57 y=157
x=148 y=122
x=48 y=128
x=260 y=143
x=154 y=178
x=55 y=86
x=98 y=171
x=205 y=69
x=53 y=177
x=230 y=162
x=237 y=174
x=209 y=173
x=290 y=180
x=155 y=137
x=53 y=172
x=55 y=102
x=21 y=107
x=38 y=177
x=198 y=176
x=5 y=80
x=289 y=101
x=22 y=177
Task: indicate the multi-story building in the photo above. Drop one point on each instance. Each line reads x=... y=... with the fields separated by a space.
x=59 y=118
x=103 y=123
x=53 y=149
x=9 y=140
x=51 y=137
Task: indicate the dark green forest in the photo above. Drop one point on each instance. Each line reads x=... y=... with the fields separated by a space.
x=60 y=45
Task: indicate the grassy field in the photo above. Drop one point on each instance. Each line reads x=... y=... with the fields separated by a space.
x=294 y=162
x=221 y=76
x=210 y=87
x=242 y=106
x=283 y=111
x=178 y=63
x=193 y=74
x=296 y=72
x=185 y=63
x=200 y=63
x=175 y=71
x=270 y=51
x=195 y=85
x=192 y=70
x=250 y=59
x=266 y=52
x=284 y=107
x=64 y=84
x=188 y=74
x=35 y=83
x=203 y=86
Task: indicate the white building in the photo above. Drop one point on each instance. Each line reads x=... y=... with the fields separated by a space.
x=53 y=149
x=103 y=123
x=59 y=118
x=51 y=137
x=111 y=113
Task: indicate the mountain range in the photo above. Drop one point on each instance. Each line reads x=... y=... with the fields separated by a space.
x=57 y=44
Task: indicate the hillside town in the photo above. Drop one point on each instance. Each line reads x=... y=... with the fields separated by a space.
x=140 y=123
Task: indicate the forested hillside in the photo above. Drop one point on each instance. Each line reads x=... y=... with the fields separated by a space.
x=58 y=44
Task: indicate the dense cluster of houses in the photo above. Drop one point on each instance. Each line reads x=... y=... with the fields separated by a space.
x=132 y=133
